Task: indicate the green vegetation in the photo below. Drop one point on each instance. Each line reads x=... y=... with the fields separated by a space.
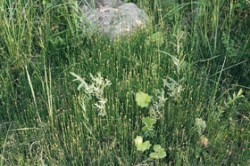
x=176 y=92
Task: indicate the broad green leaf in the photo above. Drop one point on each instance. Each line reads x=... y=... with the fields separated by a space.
x=146 y=128
x=157 y=148
x=138 y=140
x=143 y=146
x=157 y=38
x=158 y=153
x=147 y=121
x=142 y=99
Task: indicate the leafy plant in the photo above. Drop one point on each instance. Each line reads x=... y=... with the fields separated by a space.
x=200 y=125
x=174 y=87
x=142 y=99
x=204 y=141
x=140 y=145
x=232 y=99
x=148 y=123
x=158 y=153
x=96 y=89
x=157 y=38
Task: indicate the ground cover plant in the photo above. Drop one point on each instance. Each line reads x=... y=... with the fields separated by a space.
x=174 y=93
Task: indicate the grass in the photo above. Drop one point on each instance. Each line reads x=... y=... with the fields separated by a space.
x=196 y=53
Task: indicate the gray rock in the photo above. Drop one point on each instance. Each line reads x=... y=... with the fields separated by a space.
x=113 y=17
x=108 y=3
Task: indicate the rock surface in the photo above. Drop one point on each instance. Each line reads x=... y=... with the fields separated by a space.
x=108 y=3
x=113 y=17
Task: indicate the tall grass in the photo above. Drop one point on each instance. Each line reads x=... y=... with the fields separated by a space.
x=201 y=48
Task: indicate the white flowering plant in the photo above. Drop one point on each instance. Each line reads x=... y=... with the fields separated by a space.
x=95 y=89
